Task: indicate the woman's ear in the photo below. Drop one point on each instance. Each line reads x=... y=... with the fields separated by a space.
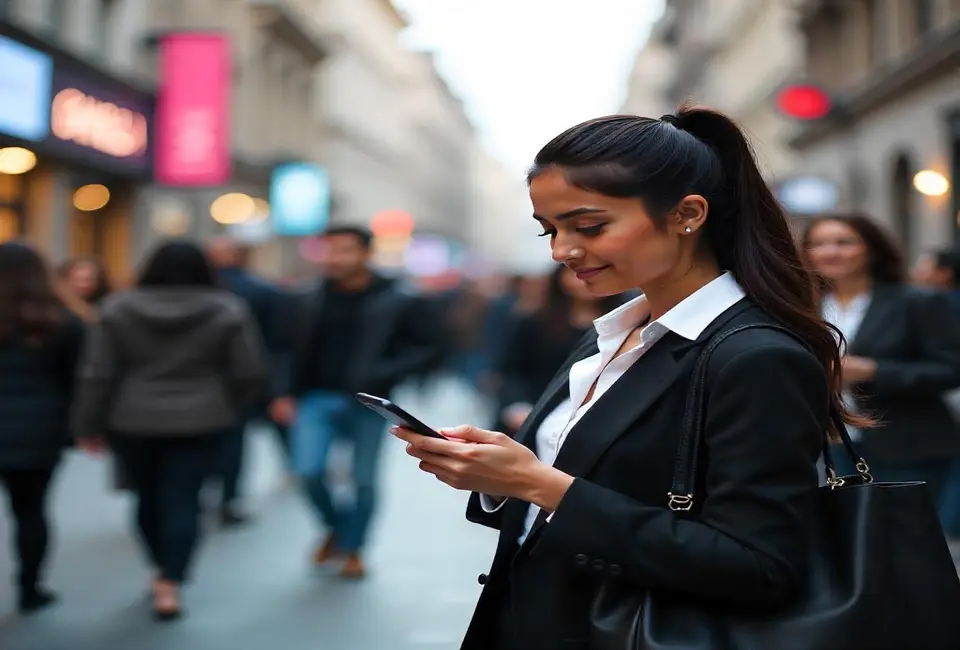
x=690 y=214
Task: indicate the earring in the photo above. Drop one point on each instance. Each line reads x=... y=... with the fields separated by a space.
x=688 y=230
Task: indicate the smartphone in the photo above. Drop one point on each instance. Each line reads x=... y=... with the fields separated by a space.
x=393 y=413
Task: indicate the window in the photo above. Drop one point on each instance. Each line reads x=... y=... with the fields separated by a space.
x=903 y=207
x=103 y=25
x=924 y=16
x=877 y=31
x=11 y=189
x=57 y=16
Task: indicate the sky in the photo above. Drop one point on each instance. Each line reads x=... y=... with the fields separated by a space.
x=528 y=69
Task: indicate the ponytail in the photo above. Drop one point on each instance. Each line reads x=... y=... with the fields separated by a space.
x=749 y=235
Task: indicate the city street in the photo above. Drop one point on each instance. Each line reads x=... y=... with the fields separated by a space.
x=254 y=588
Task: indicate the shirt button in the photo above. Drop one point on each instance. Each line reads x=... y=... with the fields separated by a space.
x=482 y=579
x=615 y=570
x=580 y=559
x=599 y=565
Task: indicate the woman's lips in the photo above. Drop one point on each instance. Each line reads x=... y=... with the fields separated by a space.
x=586 y=274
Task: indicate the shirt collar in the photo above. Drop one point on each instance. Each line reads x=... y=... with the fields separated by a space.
x=689 y=318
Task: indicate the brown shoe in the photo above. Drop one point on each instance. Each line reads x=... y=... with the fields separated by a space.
x=326 y=551
x=353 y=568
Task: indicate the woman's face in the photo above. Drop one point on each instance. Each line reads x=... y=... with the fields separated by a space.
x=84 y=279
x=837 y=252
x=609 y=243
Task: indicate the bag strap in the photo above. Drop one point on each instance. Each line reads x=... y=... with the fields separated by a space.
x=681 y=497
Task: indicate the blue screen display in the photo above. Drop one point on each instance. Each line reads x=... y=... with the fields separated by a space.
x=299 y=199
x=25 y=86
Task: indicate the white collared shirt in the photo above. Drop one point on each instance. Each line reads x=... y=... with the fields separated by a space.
x=847 y=318
x=689 y=319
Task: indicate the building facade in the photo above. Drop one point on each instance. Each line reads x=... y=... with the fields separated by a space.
x=75 y=129
x=654 y=69
x=733 y=55
x=86 y=85
x=892 y=70
x=398 y=141
x=277 y=48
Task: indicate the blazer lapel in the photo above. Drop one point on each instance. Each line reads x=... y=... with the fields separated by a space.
x=624 y=403
x=874 y=320
x=557 y=390
x=630 y=397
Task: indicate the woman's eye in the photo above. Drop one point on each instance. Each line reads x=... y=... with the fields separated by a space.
x=547 y=233
x=591 y=231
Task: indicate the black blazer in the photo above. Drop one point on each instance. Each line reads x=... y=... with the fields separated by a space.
x=766 y=411
x=914 y=337
x=397 y=340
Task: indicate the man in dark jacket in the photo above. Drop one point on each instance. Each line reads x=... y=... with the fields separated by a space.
x=265 y=302
x=356 y=332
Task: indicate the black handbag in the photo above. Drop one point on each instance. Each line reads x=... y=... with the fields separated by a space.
x=880 y=576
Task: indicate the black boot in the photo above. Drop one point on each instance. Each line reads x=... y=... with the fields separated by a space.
x=33 y=599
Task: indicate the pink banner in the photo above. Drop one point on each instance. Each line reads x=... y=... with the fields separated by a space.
x=193 y=110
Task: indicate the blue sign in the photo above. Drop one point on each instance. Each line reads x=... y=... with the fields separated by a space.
x=25 y=80
x=299 y=199
x=807 y=195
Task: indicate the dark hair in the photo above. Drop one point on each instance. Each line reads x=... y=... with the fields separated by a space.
x=29 y=307
x=555 y=315
x=103 y=279
x=362 y=235
x=949 y=259
x=700 y=151
x=178 y=264
x=886 y=260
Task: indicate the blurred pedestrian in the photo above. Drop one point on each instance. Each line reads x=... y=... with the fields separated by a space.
x=266 y=305
x=166 y=375
x=901 y=349
x=86 y=281
x=39 y=346
x=356 y=332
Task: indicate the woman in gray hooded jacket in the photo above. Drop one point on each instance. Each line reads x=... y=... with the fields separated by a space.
x=166 y=373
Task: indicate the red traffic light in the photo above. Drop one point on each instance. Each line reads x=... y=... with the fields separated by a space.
x=803 y=102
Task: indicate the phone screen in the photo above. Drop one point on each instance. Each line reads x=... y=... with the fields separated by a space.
x=393 y=413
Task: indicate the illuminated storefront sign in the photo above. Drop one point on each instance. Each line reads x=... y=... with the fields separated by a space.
x=24 y=91
x=99 y=123
x=299 y=199
x=68 y=111
x=193 y=110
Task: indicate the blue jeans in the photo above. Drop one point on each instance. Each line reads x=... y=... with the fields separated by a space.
x=321 y=418
x=167 y=474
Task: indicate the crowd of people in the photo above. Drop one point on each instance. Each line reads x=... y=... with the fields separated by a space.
x=165 y=376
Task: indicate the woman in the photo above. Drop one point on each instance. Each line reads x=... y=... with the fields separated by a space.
x=676 y=209
x=540 y=342
x=39 y=345
x=87 y=277
x=902 y=349
x=168 y=370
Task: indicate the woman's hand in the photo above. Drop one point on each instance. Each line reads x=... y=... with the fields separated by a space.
x=857 y=370
x=487 y=462
x=94 y=446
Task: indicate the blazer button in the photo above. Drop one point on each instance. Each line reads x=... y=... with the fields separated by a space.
x=614 y=570
x=599 y=565
x=482 y=579
x=581 y=560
